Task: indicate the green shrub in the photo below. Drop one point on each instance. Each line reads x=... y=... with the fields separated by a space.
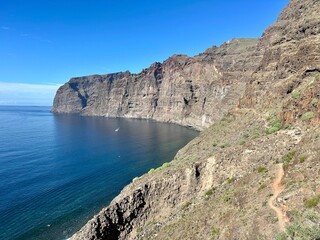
x=245 y=135
x=165 y=165
x=314 y=102
x=255 y=135
x=288 y=157
x=215 y=232
x=186 y=205
x=272 y=130
x=307 y=116
x=312 y=202
x=262 y=186
x=135 y=179
x=261 y=169
x=151 y=170
x=286 y=126
x=242 y=142
x=275 y=126
x=295 y=94
x=302 y=158
x=225 y=145
x=231 y=180
x=276 y=123
x=209 y=192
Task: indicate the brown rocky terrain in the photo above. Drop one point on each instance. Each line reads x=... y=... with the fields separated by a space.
x=255 y=173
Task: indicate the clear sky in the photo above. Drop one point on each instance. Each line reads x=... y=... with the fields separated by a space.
x=44 y=43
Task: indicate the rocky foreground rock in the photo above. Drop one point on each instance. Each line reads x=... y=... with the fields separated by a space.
x=263 y=98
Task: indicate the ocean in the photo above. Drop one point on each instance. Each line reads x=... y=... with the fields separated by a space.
x=57 y=171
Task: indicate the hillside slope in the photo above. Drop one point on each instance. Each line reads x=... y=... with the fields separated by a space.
x=255 y=174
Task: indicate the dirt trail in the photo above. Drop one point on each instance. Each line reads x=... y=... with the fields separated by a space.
x=277 y=188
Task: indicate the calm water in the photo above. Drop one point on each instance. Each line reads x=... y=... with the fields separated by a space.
x=57 y=171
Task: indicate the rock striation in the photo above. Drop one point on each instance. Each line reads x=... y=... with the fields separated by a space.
x=191 y=91
x=219 y=185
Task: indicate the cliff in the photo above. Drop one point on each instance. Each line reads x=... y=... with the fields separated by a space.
x=254 y=174
x=191 y=91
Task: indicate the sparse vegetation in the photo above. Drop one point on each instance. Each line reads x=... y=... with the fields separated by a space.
x=245 y=135
x=312 y=202
x=231 y=180
x=209 y=192
x=315 y=102
x=302 y=158
x=288 y=157
x=151 y=170
x=186 y=205
x=164 y=166
x=307 y=116
x=302 y=228
x=262 y=186
x=225 y=145
x=295 y=94
x=261 y=169
x=242 y=142
x=135 y=179
x=215 y=232
x=275 y=126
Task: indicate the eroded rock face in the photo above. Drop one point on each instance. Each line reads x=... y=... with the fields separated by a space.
x=291 y=58
x=191 y=91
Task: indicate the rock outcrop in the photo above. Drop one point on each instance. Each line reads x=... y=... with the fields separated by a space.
x=191 y=91
x=219 y=185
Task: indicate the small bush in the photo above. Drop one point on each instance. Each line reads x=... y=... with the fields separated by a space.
x=165 y=165
x=302 y=158
x=287 y=158
x=261 y=169
x=215 y=232
x=209 y=192
x=275 y=126
x=286 y=126
x=242 y=142
x=272 y=130
x=295 y=94
x=262 y=186
x=231 y=180
x=225 y=145
x=186 y=205
x=307 y=116
x=227 y=198
x=245 y=135
x=312 y=202
x=151 y=170
x=135 y=179
x=314 y=102
x=255 y=135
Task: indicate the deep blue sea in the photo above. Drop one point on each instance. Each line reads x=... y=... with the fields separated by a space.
x=57 y=171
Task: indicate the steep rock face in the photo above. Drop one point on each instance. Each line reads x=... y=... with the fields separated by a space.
x=219 y=185
x=290 y=62
x=191 y=91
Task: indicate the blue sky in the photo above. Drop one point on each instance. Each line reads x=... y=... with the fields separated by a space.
x=45 y=43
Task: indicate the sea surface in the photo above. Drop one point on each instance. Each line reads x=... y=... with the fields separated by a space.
x=57 y=171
